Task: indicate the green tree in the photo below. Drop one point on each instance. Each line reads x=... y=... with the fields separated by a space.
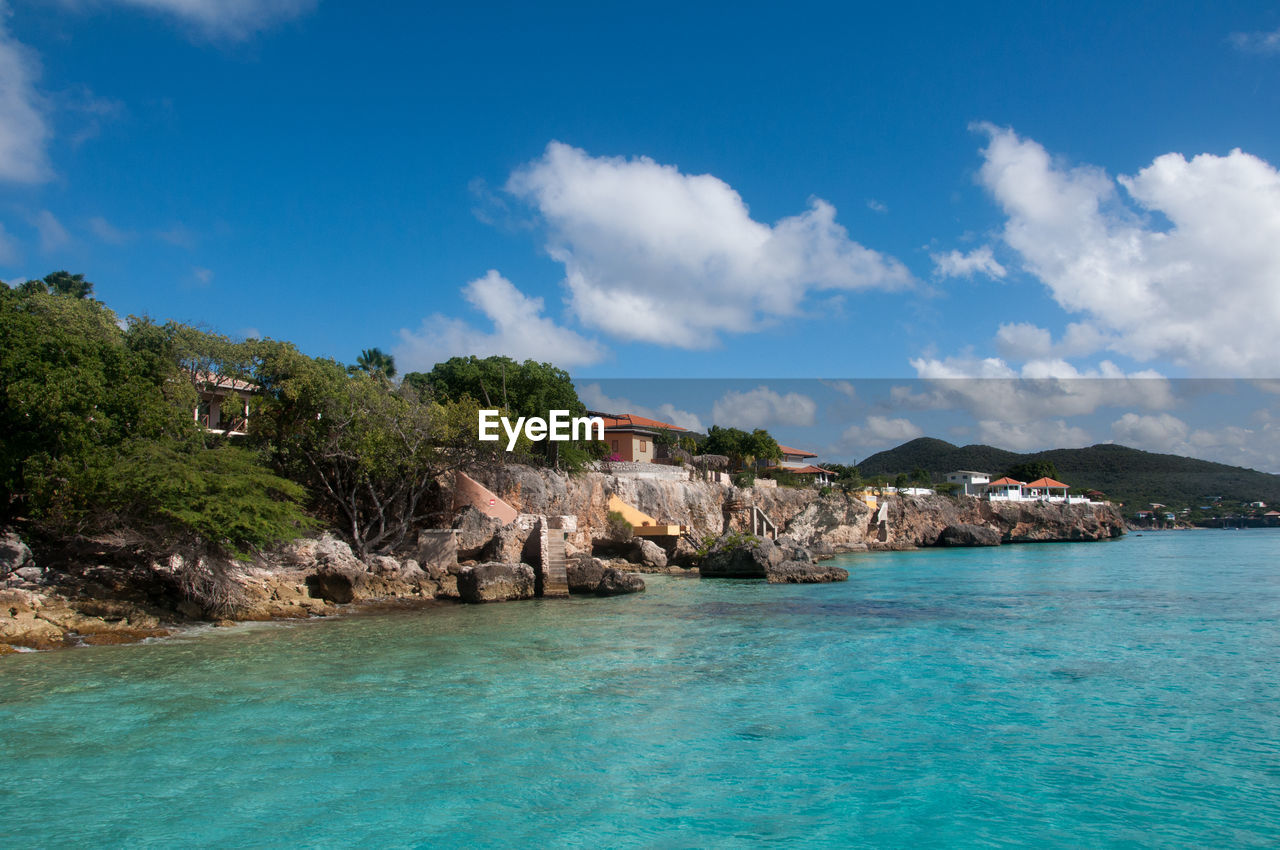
x=369 y=452
x=516 y=389
x=98 y=436
x=1033 y=470
x=60 y=283
x=376 y=362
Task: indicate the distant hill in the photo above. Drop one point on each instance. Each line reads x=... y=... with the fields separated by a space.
x=1124 y=474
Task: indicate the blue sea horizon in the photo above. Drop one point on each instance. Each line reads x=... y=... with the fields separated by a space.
x=1101 y=694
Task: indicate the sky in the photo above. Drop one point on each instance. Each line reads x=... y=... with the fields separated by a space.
x=1028 y=224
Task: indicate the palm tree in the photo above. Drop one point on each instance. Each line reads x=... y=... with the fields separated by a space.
x=374 y=361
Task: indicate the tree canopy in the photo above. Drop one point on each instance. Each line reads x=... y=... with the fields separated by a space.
x=741 y=447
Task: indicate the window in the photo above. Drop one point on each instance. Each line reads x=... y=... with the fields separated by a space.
x=642 y=445
x=615 y=446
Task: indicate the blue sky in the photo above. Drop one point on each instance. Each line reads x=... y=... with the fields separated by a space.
x=1022 y=192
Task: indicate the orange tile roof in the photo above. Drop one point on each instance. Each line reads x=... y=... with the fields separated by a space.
x=629 y=420
x=805 y=470
x=1005 y=482
x=787 y=450
x=1042 y=483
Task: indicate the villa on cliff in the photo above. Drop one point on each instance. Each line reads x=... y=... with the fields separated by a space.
x=631 y=437
x=800 y=462
x=1041 y=490
x=222 y=404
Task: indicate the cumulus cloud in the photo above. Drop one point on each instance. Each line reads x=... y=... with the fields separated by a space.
x=881 y=431
x=1032 y=436
x=978 y=261
x=1255 y=445
x=1024 y=341
x=1183 y=293
x=659 y=256
x=1257 y=42
x=1158 y=433
x=763 y=407
x=108 y=232
x=520 y=331
x=23 y=129
x=991 y=389
x=52 y=234
x=222 y=19
x=595 y=399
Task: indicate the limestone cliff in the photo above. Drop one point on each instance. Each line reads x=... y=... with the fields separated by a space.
x=836 y=521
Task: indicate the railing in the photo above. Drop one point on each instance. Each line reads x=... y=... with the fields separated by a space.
x=761 y=525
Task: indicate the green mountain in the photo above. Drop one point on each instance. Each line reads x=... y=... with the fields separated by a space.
x=1128 y=475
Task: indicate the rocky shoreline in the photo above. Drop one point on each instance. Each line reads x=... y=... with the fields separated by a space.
x=95 y=592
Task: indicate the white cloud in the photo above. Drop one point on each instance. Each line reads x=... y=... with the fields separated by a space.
x=8 y=248
x=203 y=276
x=655 y=255
x=978 y=261
x=1256 y=447
x=880 y=431
x=107 y=232
x=52 y=234
x=1032 y=436
x=595 y=399
x=1159 y=433
x=223 y=19
x=520 y=331
x=845 y=388
x=23 y=129
x=1184 y=293
x=761 y=408
x=991 y=389
x=1257 y=42
x=877 y=206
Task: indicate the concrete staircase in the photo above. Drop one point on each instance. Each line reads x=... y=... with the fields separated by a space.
x=556 y=576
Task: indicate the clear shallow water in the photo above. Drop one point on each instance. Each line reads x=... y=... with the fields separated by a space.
x=1113 y=694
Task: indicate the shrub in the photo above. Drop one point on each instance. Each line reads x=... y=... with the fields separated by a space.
x=619 y=530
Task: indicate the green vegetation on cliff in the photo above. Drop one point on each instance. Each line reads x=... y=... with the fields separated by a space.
x=100 y=430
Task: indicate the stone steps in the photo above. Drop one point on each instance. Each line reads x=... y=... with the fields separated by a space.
x=556 y=577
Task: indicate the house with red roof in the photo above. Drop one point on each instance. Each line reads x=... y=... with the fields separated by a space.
x=800 y=462
x=1041 y=490
x=630 y=437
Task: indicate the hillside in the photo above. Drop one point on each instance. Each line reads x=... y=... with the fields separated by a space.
x=1128 y=475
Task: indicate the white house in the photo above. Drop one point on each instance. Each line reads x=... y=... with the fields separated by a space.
x=222 y=404
x=1040 y=490
x=1004 y=490
x=971 y=483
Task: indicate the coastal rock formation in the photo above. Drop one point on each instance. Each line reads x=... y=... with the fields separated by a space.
x=741 y=556
x=16 y=562
x=43 y=621
x=333 y=573
x=648 y=554
x=616 y=582
x=805 y=572
x=968 y=534
x=588 y=575
x=495 y=582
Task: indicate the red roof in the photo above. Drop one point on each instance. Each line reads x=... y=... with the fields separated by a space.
x=1043 y=483
x=787 y=450
x=805 y=470
x=627 y=421
x=1005 y=482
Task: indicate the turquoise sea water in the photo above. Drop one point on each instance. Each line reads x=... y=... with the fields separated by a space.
x=1080 y=695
